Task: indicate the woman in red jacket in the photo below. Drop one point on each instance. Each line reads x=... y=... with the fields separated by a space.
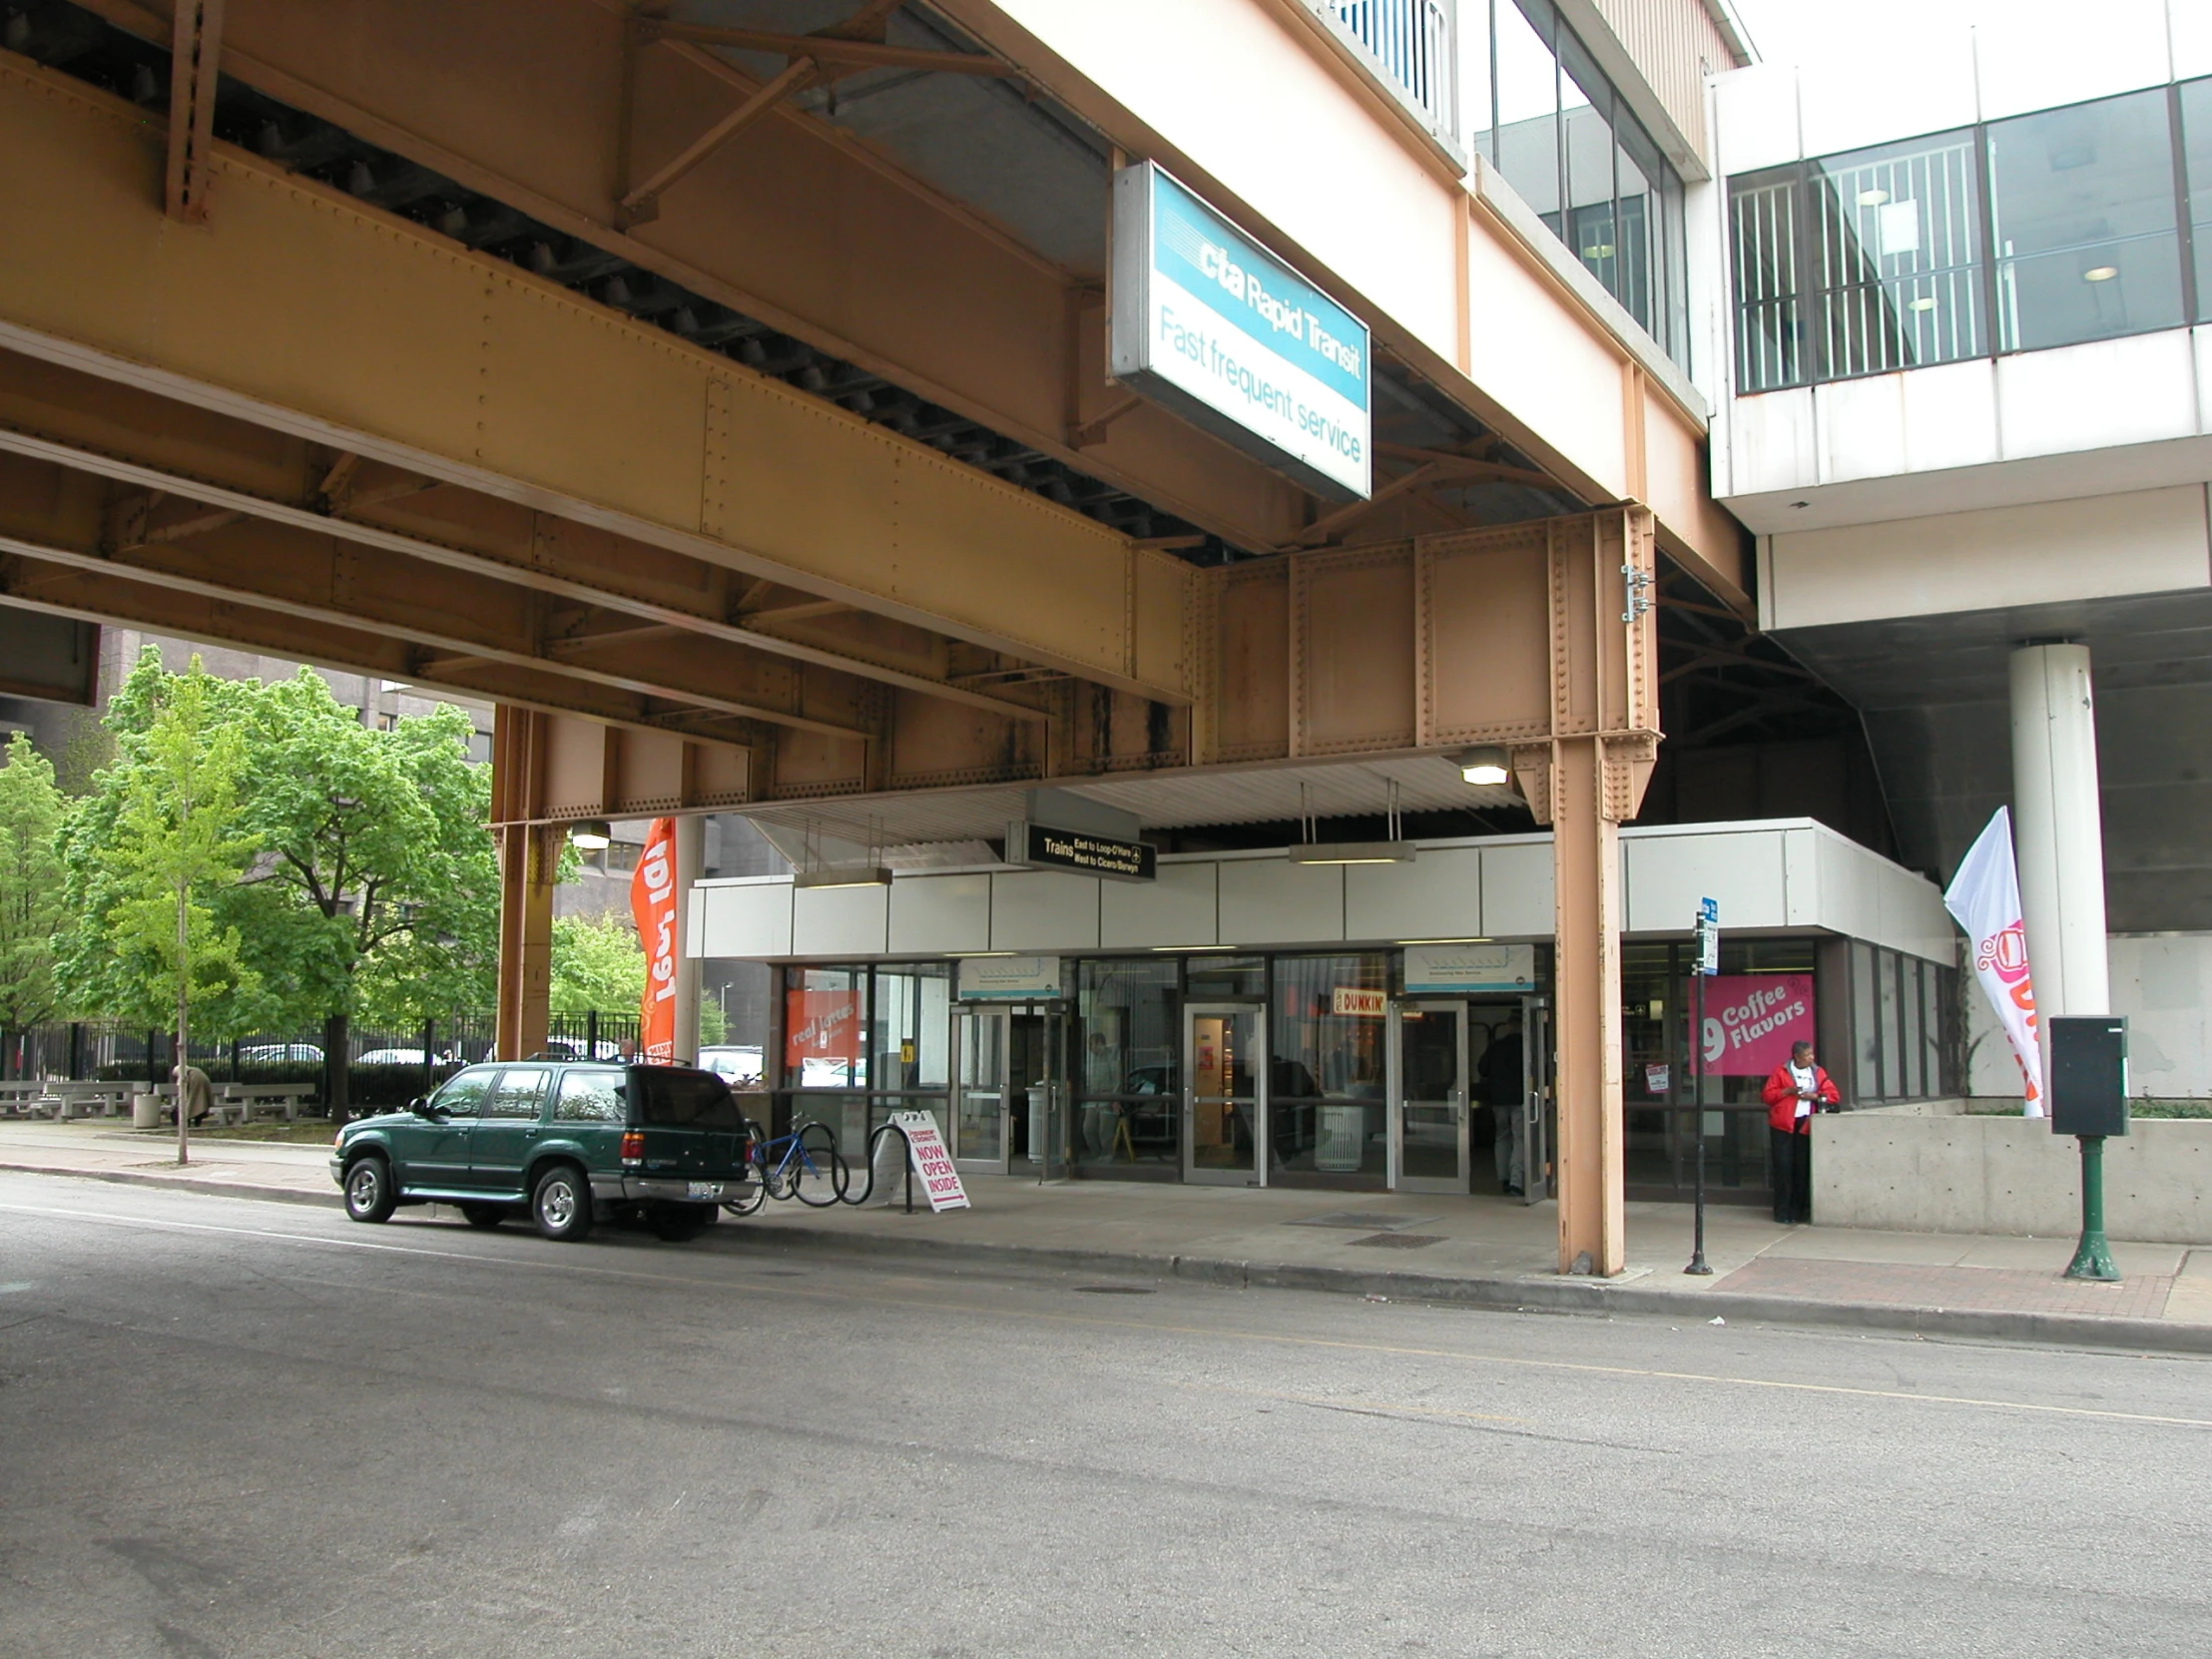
x=1798 y=1089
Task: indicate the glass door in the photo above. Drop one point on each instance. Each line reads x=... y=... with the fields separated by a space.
x=1428 y=1133
x=1224 y=1093
x=982 y=1082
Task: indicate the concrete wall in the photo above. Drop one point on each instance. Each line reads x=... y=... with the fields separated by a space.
x=2160 y=982
x=1922 y=1170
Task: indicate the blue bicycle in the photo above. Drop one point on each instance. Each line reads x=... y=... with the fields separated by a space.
x=803 y=1165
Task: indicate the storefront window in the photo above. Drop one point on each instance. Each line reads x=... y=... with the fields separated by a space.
x=823 y=1013
x=1128 y=1073
x=1327 y=1082
x=910 y=1036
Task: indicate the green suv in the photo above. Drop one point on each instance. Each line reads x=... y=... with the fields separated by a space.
x=570 y=1142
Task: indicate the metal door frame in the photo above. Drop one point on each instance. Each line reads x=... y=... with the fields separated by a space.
x=1258 y=1175
x=1538 y=1181
x=1005 y=1015
x=1397 y=1180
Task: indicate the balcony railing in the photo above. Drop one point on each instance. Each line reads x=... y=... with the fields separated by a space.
x=1413 y=42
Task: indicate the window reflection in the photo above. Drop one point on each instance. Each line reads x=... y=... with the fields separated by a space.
x=1567 y=145
x=2097 y=219
x=2082 y=216
x=2195 y=100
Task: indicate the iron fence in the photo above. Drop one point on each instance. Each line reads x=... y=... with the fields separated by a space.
x=385 y=1067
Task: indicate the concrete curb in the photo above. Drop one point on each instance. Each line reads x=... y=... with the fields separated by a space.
x=184 y=1184
x=1525 y=1295
x=1515 y=1295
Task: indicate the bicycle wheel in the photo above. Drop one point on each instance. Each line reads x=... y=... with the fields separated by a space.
x=751 y=1195
x=781 y=1179
x=815 y=1164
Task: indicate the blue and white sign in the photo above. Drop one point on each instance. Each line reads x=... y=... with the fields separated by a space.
x=1217 y=328
x=1009 y=978
x=1470 y=967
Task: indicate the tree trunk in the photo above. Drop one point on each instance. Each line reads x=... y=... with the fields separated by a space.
x=183 y=991
x=337 y=1056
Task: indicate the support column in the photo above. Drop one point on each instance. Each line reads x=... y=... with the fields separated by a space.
x=528 y=853
x=2059 y=829
x=691 y=864
x=1583 y=781
x=1586 y=861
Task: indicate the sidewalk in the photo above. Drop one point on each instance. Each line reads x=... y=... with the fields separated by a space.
x=1476 y=1251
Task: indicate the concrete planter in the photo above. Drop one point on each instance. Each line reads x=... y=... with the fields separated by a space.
x=1929 y=1168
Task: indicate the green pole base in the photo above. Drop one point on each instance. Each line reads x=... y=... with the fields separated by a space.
x=2093 y=1256
x=2093 y=1259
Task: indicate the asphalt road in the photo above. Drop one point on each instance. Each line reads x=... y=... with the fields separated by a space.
x=243 y=1428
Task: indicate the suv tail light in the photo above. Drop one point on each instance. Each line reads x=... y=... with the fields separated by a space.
x=632 y=1146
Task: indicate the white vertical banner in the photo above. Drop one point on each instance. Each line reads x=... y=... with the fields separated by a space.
x=1984 y=899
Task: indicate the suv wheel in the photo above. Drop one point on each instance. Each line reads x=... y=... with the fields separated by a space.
x=369 y=1195
x=561 y=1203
x=484 y=1215
x=678 y=1221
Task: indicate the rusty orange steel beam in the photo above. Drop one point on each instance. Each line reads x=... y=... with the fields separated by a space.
x=644 y=202
x=240 y=503
x=195 y=49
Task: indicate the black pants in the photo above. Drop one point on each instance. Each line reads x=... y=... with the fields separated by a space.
x=1791 y=1157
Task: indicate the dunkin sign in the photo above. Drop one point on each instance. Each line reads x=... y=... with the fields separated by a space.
x=1752 y=1019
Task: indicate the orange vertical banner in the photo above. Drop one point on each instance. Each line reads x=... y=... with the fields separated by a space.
x=653 y=909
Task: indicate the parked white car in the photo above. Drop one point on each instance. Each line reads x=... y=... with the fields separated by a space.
x=737 y=1064
x=393 y=1057
x=281 y=1054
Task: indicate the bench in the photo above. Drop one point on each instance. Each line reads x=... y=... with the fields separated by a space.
x=259 y=1100
x=22 y=1099
x=68 y=1100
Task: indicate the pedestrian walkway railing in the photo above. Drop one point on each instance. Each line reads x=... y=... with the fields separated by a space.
x=1413 y=42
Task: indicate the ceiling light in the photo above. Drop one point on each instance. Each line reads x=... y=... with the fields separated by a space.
x=1482 y=940
x=1352 y=853
x=851 y=875
x=1485 y=764
x=2101 y=274
x=1602 y=250
x=1193 y=948
x=1873 y=197
x=1921 y=305
x=591 y=835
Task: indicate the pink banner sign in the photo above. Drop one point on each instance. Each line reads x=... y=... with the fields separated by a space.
x=1751 y=1019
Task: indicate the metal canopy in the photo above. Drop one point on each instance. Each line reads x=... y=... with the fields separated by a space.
x=909 y=824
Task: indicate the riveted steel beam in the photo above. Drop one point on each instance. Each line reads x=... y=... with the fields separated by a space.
x=470 y=372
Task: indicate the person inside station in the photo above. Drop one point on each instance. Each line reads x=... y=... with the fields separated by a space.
x=1797 y=1089
x=1102 y=1115
x=1500 y=1076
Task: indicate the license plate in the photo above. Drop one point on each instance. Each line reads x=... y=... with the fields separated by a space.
x=705 y=1189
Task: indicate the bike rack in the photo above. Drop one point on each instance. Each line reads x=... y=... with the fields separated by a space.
x=839 y=1194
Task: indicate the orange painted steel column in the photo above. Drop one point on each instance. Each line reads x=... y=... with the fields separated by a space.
x=527 y=854
x=1585 y=781
x=1586 y=852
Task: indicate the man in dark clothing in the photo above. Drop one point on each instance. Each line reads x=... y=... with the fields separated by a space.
x=1797 y=1089
x=1498 y=1074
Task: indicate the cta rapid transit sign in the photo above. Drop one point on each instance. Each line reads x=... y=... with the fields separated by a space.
x=1210 y=324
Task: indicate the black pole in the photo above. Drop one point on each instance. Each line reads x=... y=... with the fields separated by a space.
x=591 y=1034
x=1698 y=1263
x=907 y=1149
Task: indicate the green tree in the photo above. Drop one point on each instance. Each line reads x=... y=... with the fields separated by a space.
x=379 y=843
x=372 y=888
x=174 y=800
x=597 y=964
x=31 y=908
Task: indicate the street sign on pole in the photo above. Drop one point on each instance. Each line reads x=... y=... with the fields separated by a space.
x=1708 y=964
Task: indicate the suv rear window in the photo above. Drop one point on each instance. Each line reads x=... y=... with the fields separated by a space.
x=676 y=1097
